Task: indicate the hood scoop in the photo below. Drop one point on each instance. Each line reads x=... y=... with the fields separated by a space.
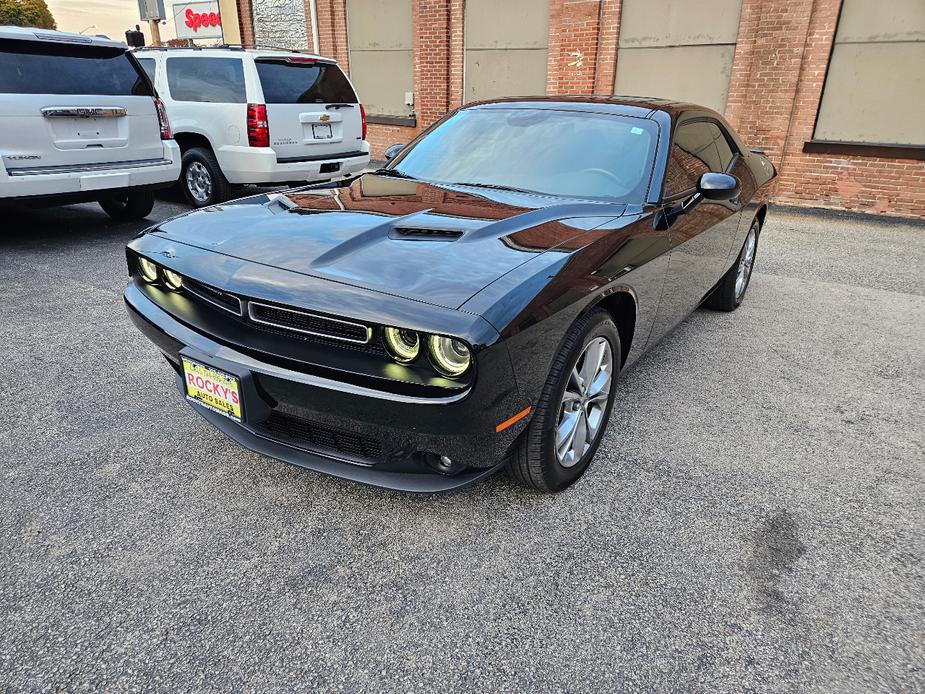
x=406 y=233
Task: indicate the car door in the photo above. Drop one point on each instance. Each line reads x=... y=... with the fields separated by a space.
x=73 y=106
x=701 y=238
x=312 y=109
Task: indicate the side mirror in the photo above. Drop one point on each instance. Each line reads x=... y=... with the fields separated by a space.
x=718 y=186
x=393 y=152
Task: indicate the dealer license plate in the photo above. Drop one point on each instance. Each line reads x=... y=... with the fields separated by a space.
x=322 y=131
x=215 y=389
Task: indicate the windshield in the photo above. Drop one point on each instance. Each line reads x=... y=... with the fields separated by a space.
x=568 y=153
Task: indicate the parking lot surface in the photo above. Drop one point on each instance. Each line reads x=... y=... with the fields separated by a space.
x=754 y=520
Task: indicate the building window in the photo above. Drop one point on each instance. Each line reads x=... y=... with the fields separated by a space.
x=381 y=55
x=677 y=50
x=506 y=46
x=875 y=87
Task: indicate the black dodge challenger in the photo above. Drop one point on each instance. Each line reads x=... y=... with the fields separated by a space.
x=470 y=305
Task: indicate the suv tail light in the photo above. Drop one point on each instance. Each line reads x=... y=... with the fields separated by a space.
x=258 y=128
x=363 y=119
x=162 y=119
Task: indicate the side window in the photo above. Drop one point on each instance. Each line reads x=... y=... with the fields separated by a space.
x=209 y=80
x=692 y=152
x=698 y=147
x=722 y=147
x=149 y=66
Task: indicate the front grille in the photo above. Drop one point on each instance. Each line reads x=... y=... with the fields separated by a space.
x=325 y=438
x=224 y=300
x=289 y=321
x=309 y=323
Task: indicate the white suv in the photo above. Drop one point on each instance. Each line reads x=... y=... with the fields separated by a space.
x=257 y=116
x=80 y=121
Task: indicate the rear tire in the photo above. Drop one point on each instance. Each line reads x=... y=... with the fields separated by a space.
x=730 y=292
x=130 y=206
x=201 y=178
x=546 y=459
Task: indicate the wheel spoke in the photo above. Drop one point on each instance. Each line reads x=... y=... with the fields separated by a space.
x=600 y=386
x=581 y=436
x=594 y=355
x=594 y=418
x=565 y=432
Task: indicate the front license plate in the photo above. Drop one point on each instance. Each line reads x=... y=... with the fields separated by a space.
x=322 y=131
x=215 y=389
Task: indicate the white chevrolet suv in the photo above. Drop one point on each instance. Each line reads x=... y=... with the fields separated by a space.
x=257 y=116
x=80 y=121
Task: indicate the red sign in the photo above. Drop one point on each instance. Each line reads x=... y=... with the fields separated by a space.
x=194 y=20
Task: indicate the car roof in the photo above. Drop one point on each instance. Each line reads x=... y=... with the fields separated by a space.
x=54 y=36
x=618 y=104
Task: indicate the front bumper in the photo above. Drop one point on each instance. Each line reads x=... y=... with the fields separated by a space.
x=331 y=426
x=257 y=165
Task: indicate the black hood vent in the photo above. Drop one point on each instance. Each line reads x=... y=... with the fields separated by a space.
x=427 y=234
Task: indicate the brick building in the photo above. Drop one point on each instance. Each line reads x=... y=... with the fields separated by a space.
x=833 y=90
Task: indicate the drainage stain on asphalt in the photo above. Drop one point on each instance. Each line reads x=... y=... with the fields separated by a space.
x=776 y=551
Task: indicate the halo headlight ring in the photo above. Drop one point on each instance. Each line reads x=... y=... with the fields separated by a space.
x=451 y=357
x=172 y=280
x=147 y=269
x=404 y=346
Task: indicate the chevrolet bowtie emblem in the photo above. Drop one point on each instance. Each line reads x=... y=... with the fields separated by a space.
x=325 y=117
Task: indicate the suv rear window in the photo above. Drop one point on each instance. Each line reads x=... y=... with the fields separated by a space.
x=43 y=67
x=303 y=83
x=211 y=80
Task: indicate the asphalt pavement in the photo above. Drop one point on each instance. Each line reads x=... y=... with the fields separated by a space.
x=754 y=520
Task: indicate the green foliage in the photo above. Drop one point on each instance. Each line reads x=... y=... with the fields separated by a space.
x=26 y=13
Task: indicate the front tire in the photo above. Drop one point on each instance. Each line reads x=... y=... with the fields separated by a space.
x=574 y=408
x=129 y=207
x=730 y=292
x=201 y=178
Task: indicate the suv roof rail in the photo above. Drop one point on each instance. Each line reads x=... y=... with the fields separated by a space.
x=229 y=47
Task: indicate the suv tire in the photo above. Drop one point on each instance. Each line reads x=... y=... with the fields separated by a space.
x=201 y=179
x=130 y=206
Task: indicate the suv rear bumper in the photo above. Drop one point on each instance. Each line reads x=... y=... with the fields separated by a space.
x=261 y=165
x=92 y=181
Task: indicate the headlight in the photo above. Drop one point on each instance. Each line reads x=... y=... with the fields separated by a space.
x=403 y=345
x=450 y=357
x=172 y=279
x=148 y=269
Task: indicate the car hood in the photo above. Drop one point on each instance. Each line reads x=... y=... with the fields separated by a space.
x=440 y=244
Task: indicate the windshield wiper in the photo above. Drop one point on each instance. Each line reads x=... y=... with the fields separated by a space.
x=494 y=186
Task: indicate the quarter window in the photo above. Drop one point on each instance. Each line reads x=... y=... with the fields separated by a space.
x=210 y=80
x=149 y=67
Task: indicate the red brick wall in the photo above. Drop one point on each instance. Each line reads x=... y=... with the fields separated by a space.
x=573 y=36
x=774 y=91
x=608 y=38
x=246 y=22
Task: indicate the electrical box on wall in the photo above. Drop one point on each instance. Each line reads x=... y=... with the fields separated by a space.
x=409 y=98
